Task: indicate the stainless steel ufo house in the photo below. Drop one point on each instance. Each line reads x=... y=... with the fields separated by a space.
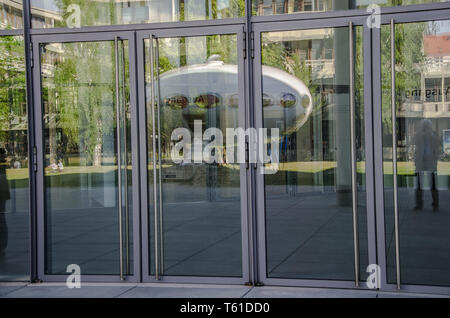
x=212 y=94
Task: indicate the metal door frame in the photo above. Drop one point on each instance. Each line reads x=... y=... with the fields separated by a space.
x=432 y=14
x=141 y=36
x=356 y=21
x=38 y=161
x=253 y=187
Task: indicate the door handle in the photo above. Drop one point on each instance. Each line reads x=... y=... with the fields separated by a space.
x=119 y=154
x=125 y=153
x=154 y=146
x=158 y=99
x=353 y=154
x=394 y=154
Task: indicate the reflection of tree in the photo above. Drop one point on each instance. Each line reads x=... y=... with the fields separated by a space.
x=359 y=93
x=80 y=99
x=92 y=12
x=109 y=11
x=12 y=92
x=235 y=9
x=409 y=57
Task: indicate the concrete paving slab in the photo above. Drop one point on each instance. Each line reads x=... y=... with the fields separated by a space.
x=33 y=291
x=131 y=290
x=6 y=288
x=408 y=295
x=293 y=292
x=187 y=292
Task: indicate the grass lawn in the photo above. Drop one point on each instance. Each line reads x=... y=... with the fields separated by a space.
x=404 y=168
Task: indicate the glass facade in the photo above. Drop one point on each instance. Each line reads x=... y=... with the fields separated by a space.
x=14 y=175
x=141 y=142
x=271 y=7
x=80 y=13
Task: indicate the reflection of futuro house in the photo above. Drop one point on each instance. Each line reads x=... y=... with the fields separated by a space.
x=209 y=92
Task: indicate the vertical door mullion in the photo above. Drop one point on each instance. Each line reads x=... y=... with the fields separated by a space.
x=259 y=177
x=244 y=191
x=378 y=155
x=38 y=154
x=143 y=160
x=134 y=158
x=369 y=144
x=250 y=186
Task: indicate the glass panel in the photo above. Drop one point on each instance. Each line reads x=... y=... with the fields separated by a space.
x=309 y=225
x=11 y=14
x=271 y=7
x=79 y=13
x=80 y=138
x=201 y=201
x=423 y=134
x=14 y=174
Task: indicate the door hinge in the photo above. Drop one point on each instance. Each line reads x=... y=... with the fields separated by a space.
x=31 y=55
x=35 y=164
x=247 y=153
x=252 y=44
x=245 y=45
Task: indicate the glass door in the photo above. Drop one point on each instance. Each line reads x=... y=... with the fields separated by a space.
x=414 y=150
x=312 y=209
x=85 y=156
x=195 y=218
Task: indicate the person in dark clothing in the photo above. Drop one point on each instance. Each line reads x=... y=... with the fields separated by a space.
x=426 y=156
x=4 y=196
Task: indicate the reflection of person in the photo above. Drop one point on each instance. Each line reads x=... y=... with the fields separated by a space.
x=60 y=166
x=427 y=151
x=54 y=167
x=4 y=196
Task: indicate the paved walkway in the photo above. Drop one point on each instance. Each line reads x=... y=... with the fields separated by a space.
x=90 y=290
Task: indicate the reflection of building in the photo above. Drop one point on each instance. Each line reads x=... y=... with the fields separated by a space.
x=431 y=99
x=11 y=14
x=48 y=14
x=44 y=18
x=311 y=57
x=269 y=7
